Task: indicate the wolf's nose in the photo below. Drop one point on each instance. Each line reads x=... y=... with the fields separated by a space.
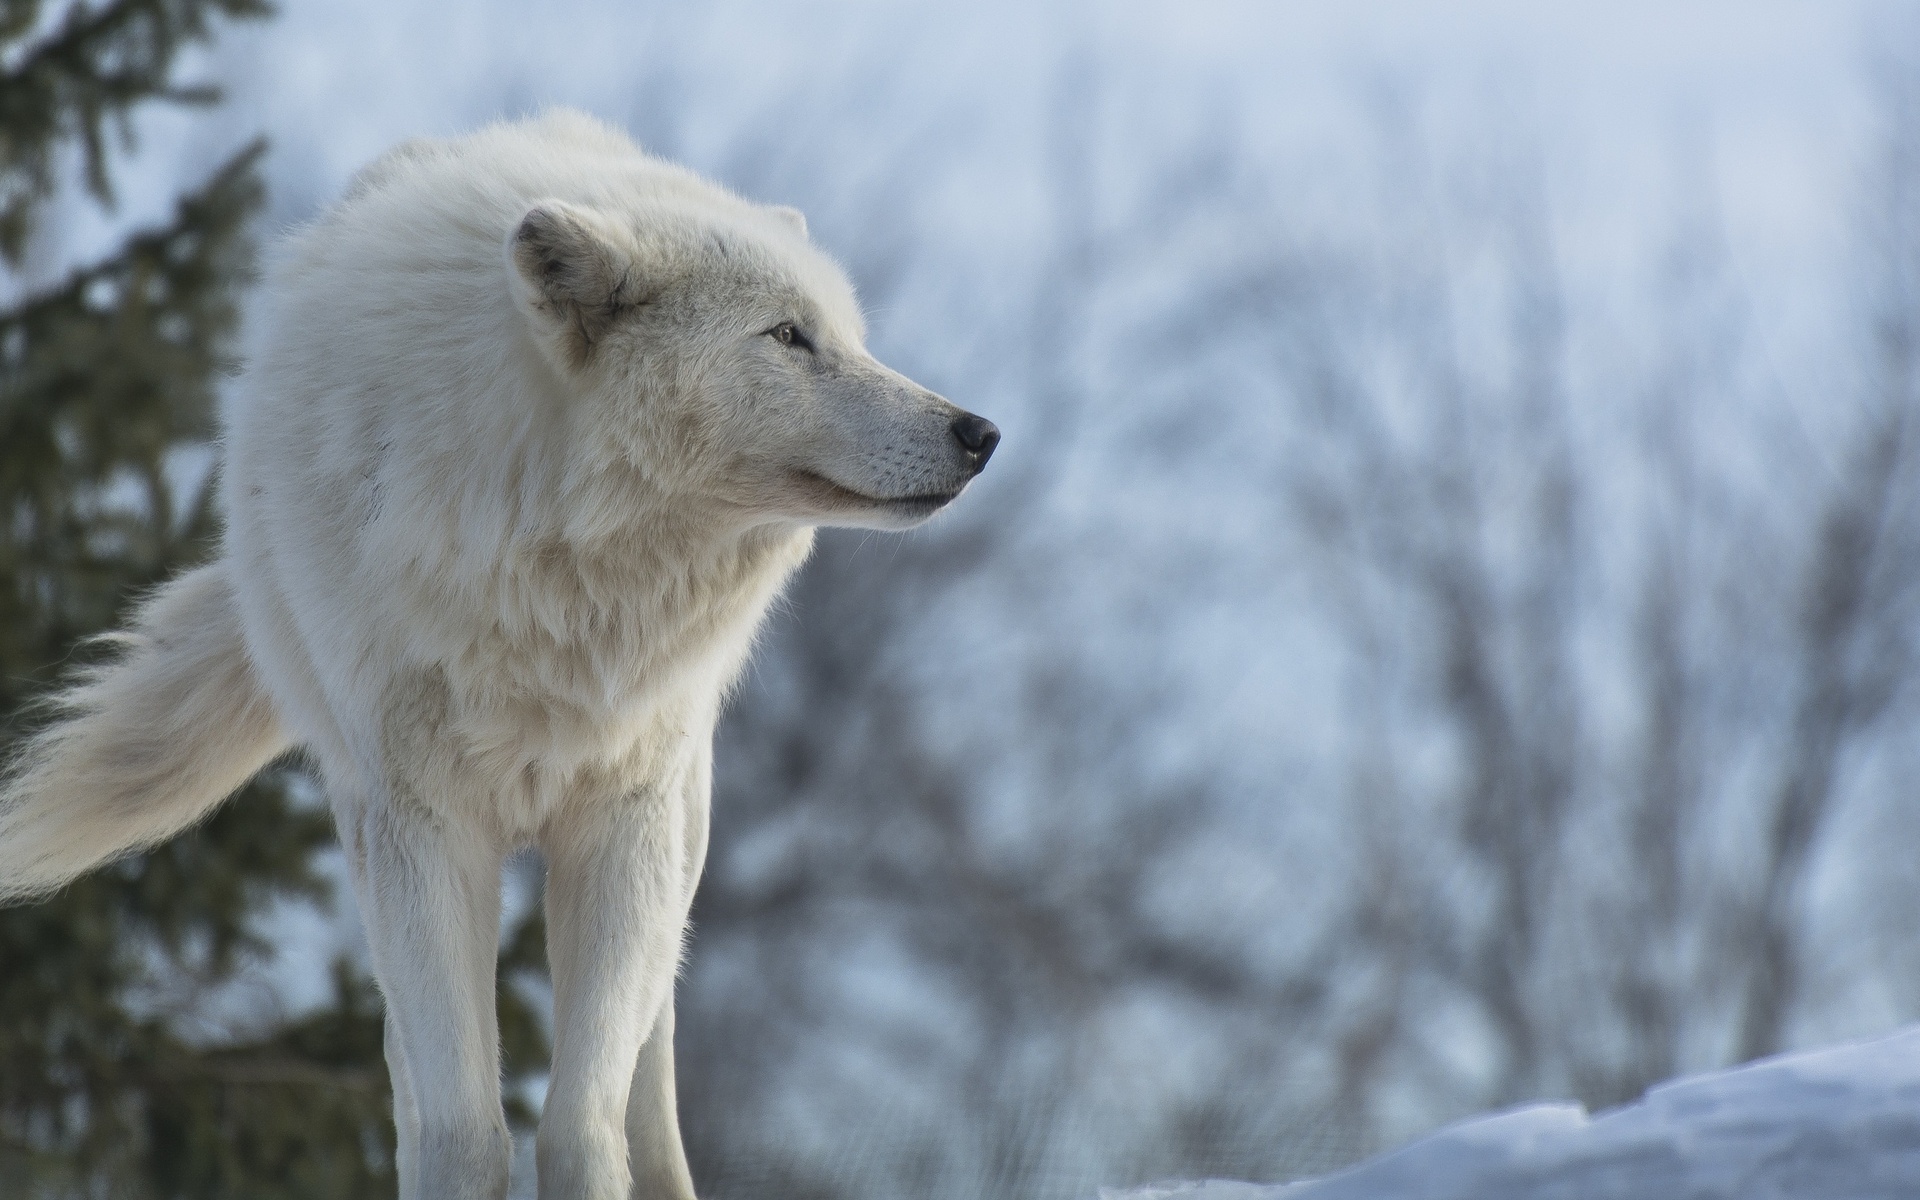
x=977 y=436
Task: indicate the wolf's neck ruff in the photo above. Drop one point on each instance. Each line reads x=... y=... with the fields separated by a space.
x=591 y=649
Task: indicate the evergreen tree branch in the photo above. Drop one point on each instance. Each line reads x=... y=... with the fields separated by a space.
x=83 y=82
x=99 y=378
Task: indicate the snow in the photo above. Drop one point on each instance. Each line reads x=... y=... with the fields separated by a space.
x=1841 y=1123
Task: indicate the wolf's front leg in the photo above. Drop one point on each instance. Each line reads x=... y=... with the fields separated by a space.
x=616 y=907
x=429 y=896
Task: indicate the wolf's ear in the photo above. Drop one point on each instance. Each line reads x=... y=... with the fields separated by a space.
x=792 y=218
x=573 y=275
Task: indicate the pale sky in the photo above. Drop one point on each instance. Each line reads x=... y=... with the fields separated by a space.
x=1620 y=94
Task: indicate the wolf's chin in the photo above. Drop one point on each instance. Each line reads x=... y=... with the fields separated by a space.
x=833 y=496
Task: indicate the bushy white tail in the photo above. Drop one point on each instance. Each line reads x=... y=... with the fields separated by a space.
x=142 y=747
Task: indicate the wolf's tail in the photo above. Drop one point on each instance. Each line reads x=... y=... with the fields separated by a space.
x=141 y=747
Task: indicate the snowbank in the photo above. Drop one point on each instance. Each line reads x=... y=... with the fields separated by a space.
x=1836 y=1124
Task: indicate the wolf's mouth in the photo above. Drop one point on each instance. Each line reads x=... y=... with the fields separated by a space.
x=826 y=491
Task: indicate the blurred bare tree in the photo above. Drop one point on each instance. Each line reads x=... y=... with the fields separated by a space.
x=1367 y=691
x=1858 y=596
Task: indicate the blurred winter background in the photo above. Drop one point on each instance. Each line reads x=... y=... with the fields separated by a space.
x=1440 y=631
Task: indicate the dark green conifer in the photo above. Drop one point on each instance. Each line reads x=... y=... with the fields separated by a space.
x=112 y=1081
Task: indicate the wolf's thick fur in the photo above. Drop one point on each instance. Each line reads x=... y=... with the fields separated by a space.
x=536 y=428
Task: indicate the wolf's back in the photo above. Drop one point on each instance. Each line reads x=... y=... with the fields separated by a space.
x=141 y=747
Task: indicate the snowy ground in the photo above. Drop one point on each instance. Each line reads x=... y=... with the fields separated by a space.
x=1841 y=1123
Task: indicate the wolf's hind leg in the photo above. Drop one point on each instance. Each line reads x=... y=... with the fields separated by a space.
x=406 y=1114
x=615 y=910
x=653 y=1119
x=429 y=896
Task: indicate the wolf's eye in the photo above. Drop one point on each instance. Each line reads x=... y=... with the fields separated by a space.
x=788 y=334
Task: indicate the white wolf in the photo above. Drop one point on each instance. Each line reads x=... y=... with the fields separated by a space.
x=536 y=428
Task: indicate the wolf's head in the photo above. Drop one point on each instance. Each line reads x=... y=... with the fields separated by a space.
x=722 y=358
